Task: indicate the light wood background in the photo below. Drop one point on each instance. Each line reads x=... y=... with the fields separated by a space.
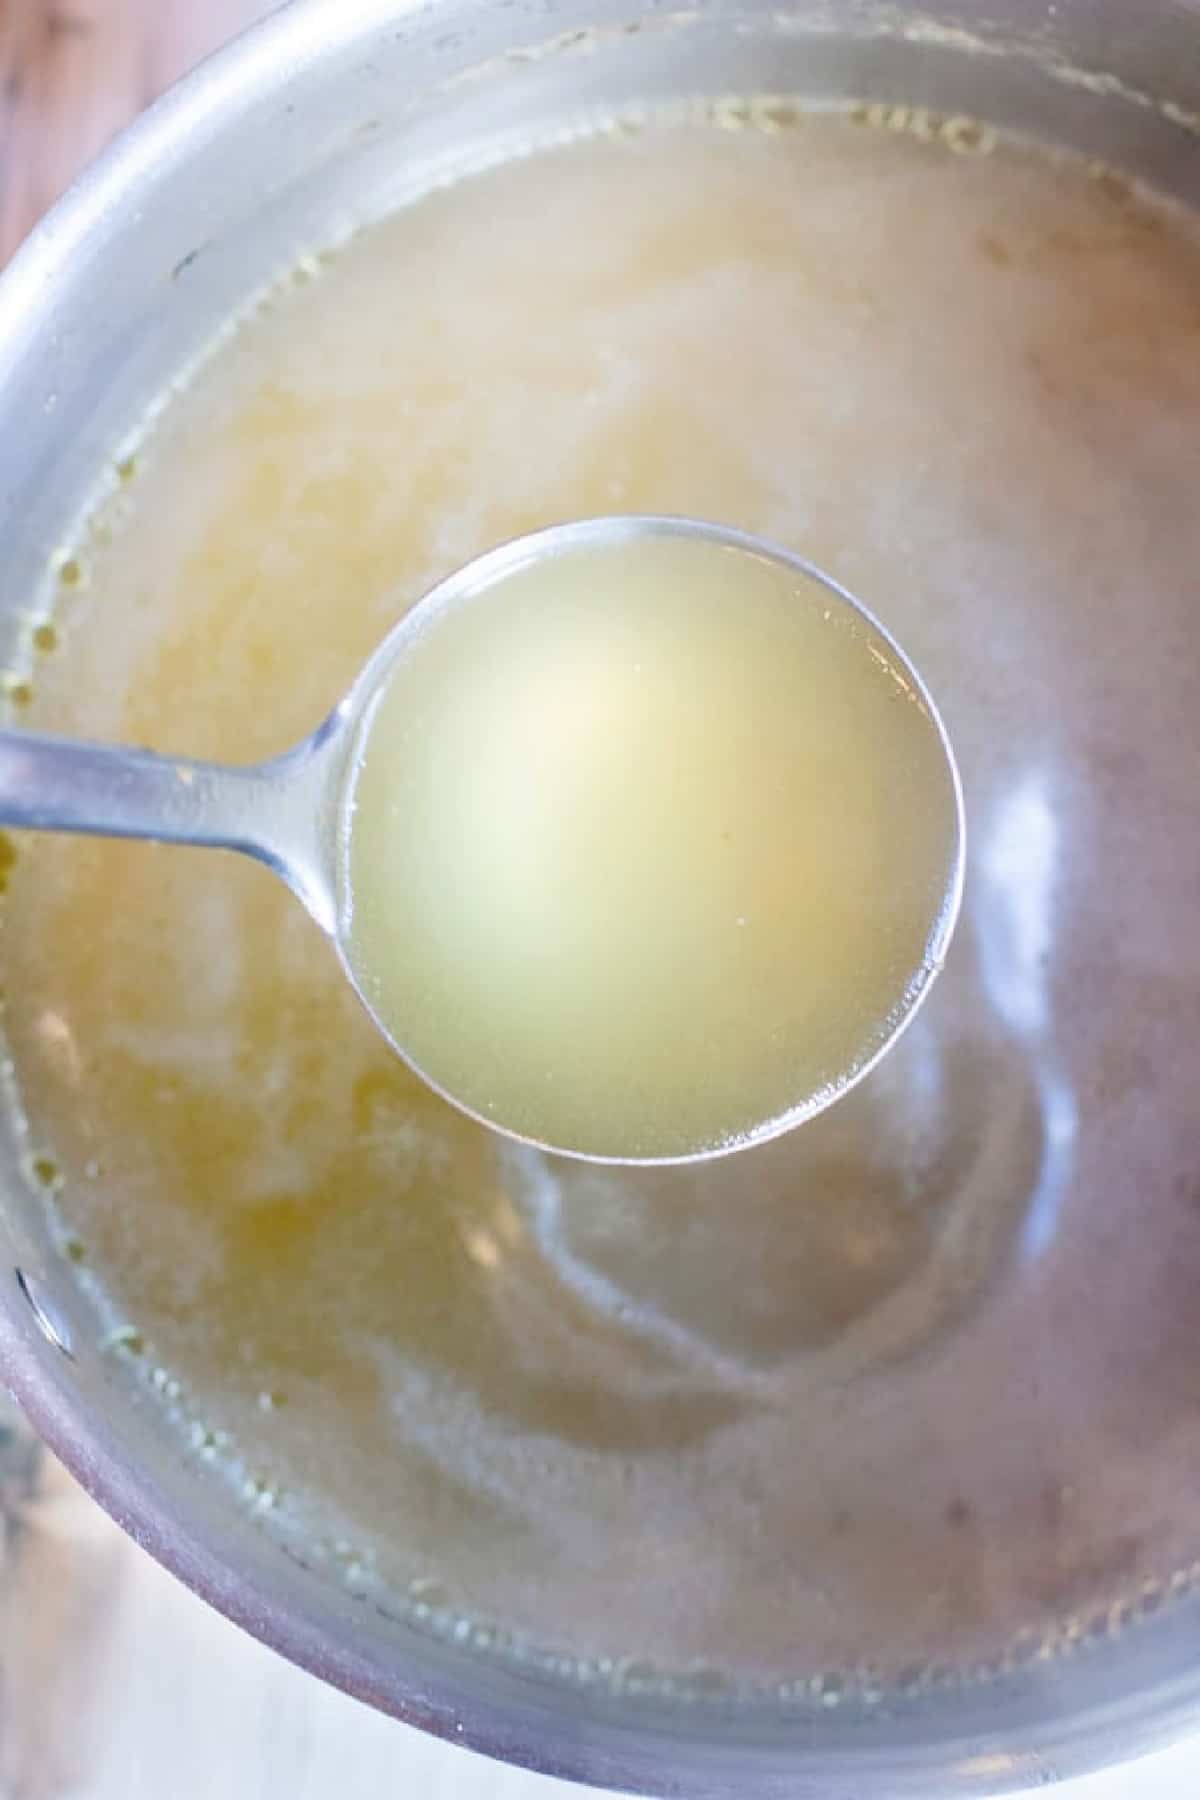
x=72 y=72
x=115 y=1683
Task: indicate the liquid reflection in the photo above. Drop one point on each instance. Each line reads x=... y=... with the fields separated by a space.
x=849 y=1243
x=1012 y=915
x=1014 y=903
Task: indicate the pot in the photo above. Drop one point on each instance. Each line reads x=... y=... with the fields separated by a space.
x=319 y=118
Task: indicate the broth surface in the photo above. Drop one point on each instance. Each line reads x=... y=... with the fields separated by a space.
x=650 y=847
x=891 y=1390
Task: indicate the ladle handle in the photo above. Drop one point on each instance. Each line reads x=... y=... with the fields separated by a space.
x=273 y=811
x=61 y=784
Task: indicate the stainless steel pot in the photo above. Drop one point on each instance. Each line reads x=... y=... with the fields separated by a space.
x=322 y=116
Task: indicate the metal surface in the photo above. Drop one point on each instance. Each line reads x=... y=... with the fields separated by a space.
x=119 y=1684
x=291 y=813
x=281 y=813
x=323 y=117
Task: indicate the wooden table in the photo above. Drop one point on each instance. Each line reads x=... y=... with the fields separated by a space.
x=115 y=1683
x=72 y=72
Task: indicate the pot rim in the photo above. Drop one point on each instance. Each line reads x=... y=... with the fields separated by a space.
x=534 y=1727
